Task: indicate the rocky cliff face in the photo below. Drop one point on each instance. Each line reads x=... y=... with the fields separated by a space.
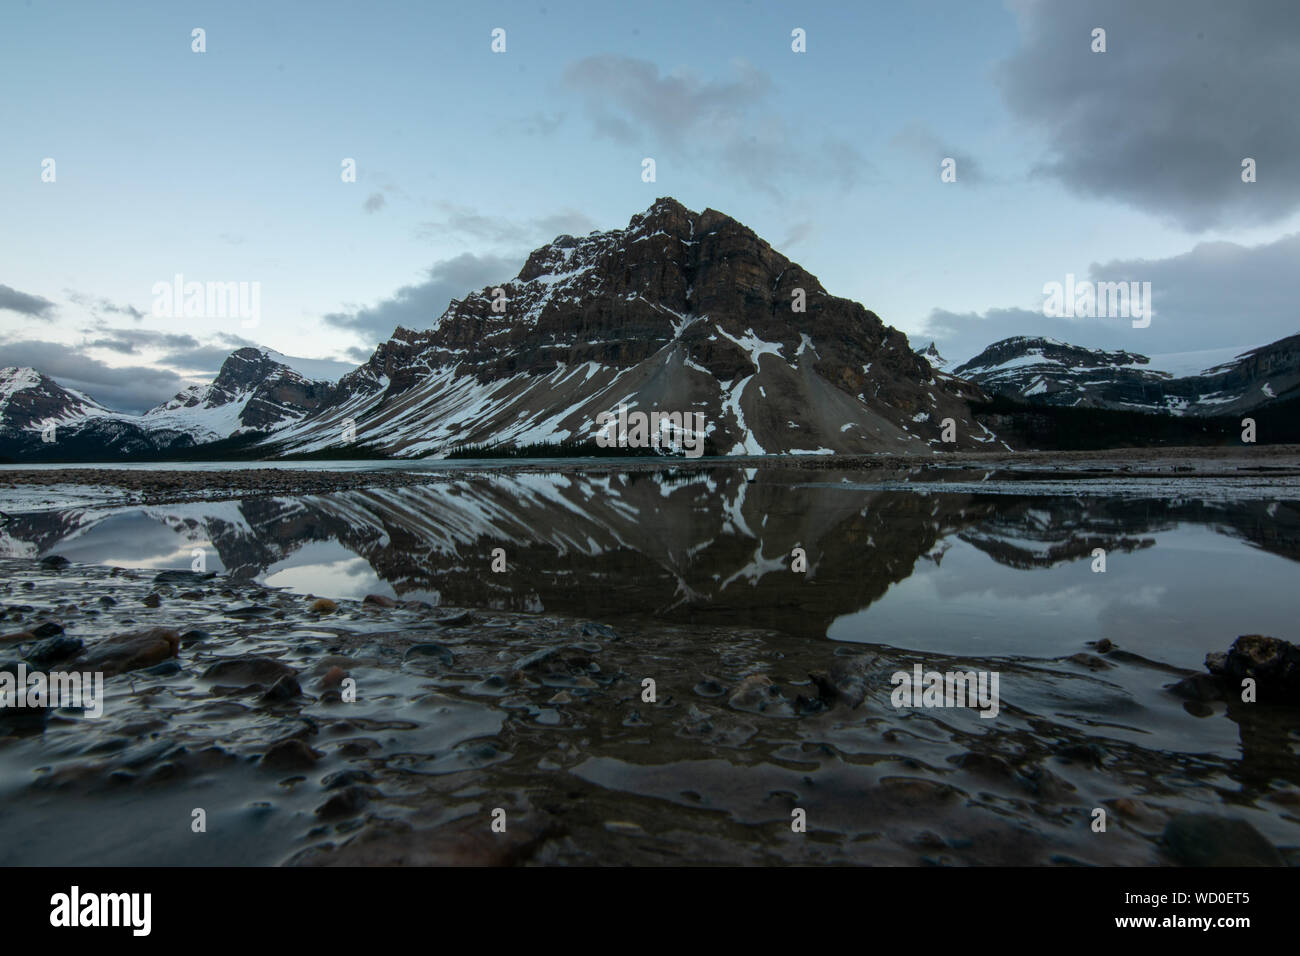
x=680 y=311
x=1045 y=371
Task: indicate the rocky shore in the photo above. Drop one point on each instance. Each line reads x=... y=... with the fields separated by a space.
x=319 y=732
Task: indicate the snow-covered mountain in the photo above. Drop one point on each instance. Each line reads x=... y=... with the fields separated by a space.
x=255 y=392
x=38 y=414
x=679 y=312
x=1046 y=371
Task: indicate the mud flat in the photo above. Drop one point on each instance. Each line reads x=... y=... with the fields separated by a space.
x=229 y=698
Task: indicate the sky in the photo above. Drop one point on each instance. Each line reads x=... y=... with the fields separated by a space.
x=128 y=158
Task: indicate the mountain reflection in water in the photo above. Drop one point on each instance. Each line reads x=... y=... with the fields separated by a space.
x=986 y=574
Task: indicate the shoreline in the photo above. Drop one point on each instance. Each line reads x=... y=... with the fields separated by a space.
x=174 y=485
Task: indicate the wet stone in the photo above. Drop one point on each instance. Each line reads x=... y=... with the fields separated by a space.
x=52 y=650
x=291 y=754
x=246 y=671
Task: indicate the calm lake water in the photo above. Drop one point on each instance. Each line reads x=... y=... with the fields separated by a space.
x=985 y=574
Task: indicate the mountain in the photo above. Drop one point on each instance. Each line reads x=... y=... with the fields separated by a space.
x=1048 y=372
x=679 y=312
x=931 y=354
x=255 y=392
x=38 y=415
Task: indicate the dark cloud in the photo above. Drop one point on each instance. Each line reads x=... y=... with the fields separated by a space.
x=203 y=361
x=130 y=389
x=131 y=341
x=24 y=304
x=1163 y=119
x=731 y=123
x=374 y=202
x=418 y=306
x=1216 y=295
x=357 y=354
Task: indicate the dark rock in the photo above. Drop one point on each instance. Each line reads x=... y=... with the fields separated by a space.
x=165 y=669
x=286 y=688
x=1203 y=839
x=182 y=577
x=291 y=754
x=379 y=600
x=1086 y=753
x=47 y=629
x=1273 y=663
x=246 y=671
x=1198 y=687
x=252 y=610
x=54 y=562
x=708 y=687
x=430 y=649
x=845 y=683
x=348 y=802
x=52 y=650
x=344 y=778
x=152 y=599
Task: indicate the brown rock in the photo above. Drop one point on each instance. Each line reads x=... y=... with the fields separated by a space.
x=135 y=649
x=323 y=606
x=379 y=600
x=333 y=677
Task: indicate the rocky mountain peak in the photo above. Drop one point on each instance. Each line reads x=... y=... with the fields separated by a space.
x=678 y=309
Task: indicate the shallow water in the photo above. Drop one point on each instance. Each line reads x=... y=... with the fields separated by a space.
x=700 y=563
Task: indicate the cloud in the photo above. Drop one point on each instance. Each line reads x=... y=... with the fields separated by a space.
x=101 y=305
x=1162 y=120
x=202 y=361
x=374 y=202
x=132 y=389
x=417 y=306
x=730 y=122
x=131 y=341
x=799 y=231
x=925 y=144
x=465 y=222
x=25 y=304
x=1216 y=295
